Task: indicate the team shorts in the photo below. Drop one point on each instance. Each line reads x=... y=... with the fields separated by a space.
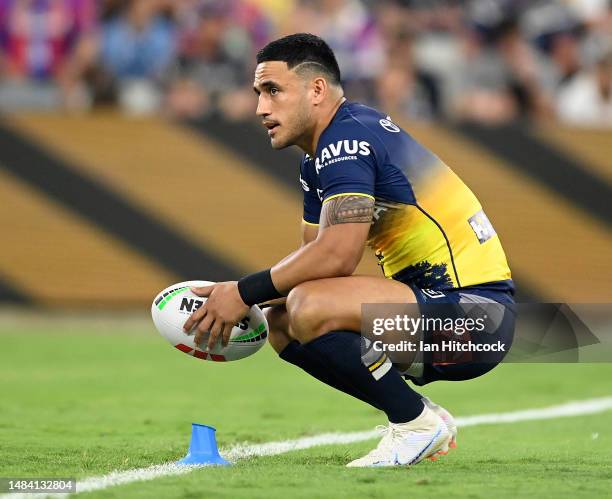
x=495 y=302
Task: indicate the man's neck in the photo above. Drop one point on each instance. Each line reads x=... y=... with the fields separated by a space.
x=311 y=147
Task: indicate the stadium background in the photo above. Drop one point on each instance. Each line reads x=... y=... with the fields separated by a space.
x=130 y=157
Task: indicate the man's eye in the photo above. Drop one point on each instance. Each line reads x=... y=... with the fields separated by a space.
x=273 y=91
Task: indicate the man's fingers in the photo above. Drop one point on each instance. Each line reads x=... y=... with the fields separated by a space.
x=203 y=291
x=214 y=336
x=202 y=328
x=205 y=324
x=216 y=329
x=194 y=319
x=198 y=338
x=227 y=331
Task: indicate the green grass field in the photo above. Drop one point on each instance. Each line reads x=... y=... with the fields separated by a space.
x=81 y=398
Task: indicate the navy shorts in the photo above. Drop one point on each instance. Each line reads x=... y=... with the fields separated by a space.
x=494 y=301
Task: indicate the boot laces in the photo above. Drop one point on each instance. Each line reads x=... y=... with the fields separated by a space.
x=390 y=435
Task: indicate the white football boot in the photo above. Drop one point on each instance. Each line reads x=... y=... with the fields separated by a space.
x=406 y=444
x=447 y=418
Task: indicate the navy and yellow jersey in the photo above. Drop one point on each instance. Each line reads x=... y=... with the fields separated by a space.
x=429 y=230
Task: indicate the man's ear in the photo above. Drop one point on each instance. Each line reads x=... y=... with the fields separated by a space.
x=319 y=90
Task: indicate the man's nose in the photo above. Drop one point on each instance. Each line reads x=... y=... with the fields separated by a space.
x=262 y=108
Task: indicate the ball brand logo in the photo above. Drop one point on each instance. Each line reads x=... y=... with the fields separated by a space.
x=342 y=150
x=388 y=125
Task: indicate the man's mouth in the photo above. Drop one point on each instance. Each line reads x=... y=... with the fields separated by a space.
x=271 y=126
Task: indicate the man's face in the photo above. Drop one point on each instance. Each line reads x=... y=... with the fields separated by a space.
x=283 y=103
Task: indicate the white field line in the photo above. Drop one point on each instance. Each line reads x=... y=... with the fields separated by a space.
x=242 y=451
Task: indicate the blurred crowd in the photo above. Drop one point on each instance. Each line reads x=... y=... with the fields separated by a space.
x=490 y=61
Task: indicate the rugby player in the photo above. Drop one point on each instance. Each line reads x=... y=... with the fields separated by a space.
x=365 y=180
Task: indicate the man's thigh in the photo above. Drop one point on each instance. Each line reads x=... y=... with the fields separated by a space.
x=317 y=307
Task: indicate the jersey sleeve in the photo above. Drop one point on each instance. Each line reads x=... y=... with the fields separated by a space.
x=348 y=167
x=312 y=203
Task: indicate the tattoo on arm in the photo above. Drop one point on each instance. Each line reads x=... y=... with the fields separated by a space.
x=346 y=210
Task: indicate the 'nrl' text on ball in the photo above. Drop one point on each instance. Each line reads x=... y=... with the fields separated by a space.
x=191 y=305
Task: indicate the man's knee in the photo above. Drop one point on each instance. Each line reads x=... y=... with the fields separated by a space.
x=305 y=309
x=278 y=327
x=276 y=315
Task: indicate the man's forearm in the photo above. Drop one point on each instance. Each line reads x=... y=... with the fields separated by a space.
x=316 y=260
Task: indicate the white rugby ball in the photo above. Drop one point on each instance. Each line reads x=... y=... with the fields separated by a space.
x=173 y=306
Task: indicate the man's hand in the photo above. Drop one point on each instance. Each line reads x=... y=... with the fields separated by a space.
x=222 y=310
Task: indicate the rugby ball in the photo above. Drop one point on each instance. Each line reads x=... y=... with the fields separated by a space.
x=173 y=306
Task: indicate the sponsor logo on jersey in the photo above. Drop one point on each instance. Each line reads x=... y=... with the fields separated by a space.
x=381 y=207
x=482 y=227
x=388 y=125
x=342 y=150
x=378 y=212
x=432 y=293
